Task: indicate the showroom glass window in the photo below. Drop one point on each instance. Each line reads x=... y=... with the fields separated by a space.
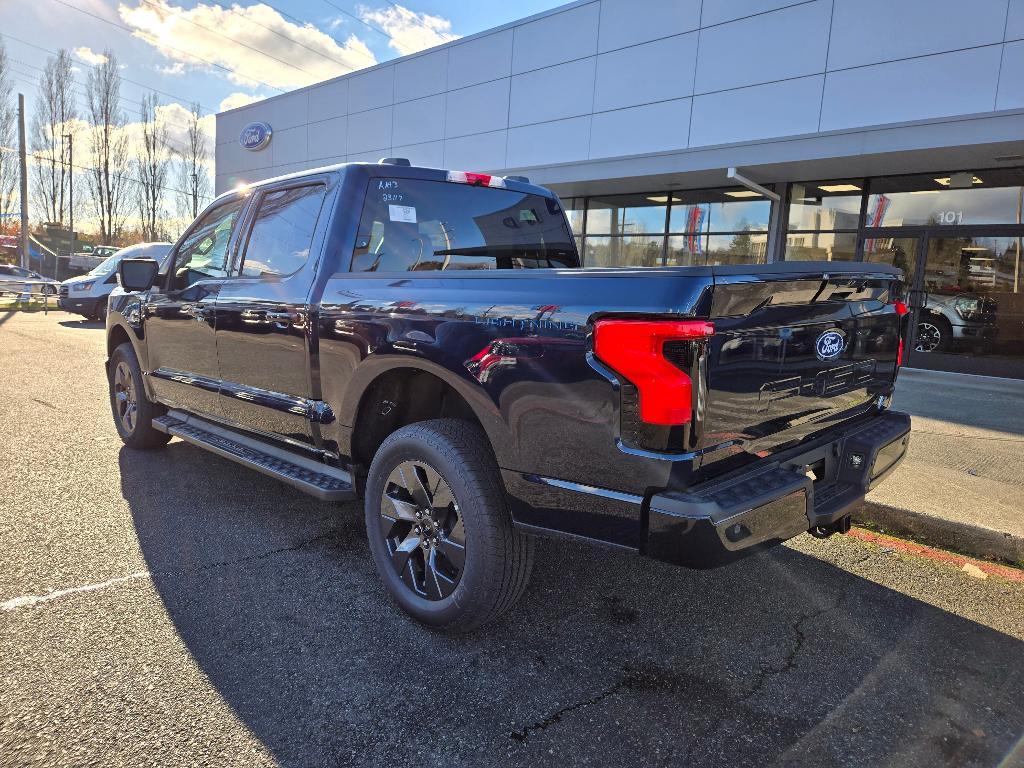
x=282 y=233
x=823 y=220
x=678 y=228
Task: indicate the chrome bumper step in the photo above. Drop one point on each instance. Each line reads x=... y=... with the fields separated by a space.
x=319 y=480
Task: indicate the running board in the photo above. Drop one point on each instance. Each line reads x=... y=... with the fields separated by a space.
x=316 y=479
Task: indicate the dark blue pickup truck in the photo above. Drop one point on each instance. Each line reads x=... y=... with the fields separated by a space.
x=426 y=340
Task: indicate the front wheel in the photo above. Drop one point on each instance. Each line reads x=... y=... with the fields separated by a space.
x=934 y=334
x=133 y=412
x=439 y=527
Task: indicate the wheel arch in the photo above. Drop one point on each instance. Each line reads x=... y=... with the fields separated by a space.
x=402 y=392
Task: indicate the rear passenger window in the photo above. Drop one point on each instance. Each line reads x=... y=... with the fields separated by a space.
x=282 y=232
x=411 y=225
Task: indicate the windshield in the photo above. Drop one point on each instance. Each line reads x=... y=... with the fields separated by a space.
x=156 y=251
x=109 y=264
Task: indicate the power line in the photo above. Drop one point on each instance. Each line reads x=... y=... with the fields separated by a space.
x=121 y=176
x=415 y=20
x=181 y=99
x=361 y=21
x=79 y=92
x=236 y=42
x=149 y=39
x=24 y=78
x=283 y=36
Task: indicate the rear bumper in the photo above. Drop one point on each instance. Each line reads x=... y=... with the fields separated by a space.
x=733 y=517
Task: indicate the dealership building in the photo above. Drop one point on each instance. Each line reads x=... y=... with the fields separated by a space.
x=889 y=131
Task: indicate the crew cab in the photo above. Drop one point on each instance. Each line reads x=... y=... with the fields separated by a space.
x=426 y=340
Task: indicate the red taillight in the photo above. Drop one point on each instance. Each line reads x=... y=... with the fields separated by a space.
x=635 y=349
x=476 y=179
x=901 y=310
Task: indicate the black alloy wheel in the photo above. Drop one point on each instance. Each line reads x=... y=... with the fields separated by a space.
x=439 y=526
x=423 y=530
x=126 y=406
x=133 y=412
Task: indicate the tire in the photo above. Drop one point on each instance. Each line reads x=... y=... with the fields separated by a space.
x=100 y=313
x=496 y=559
x=134 y=425
x=934 y=334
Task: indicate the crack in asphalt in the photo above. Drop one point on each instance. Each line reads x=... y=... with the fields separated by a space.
x=248 y=558
x=523 y=735
x=768 y=672
x=28 y=601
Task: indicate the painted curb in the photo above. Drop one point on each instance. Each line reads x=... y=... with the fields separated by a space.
x=950 y=534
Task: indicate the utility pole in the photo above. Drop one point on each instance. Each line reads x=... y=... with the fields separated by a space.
x=195 y=195
x=71 y=185
x=23 y=158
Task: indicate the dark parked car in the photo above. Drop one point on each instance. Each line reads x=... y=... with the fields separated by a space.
x=427 y=341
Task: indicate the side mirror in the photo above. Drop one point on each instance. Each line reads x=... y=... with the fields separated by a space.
x=137 y=274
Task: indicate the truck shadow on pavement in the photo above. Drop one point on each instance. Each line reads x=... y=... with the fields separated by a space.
x=609 y=659
x=81 y=323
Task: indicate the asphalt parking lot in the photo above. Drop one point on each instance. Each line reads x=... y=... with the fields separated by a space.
x=168 y=608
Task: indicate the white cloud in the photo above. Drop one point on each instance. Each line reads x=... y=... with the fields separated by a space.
x=239 y=38
x=409 y=31
x=238 y=99
x=89 y=56
x=177 y=68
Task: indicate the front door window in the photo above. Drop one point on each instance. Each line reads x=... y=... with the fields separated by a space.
x=204 y=252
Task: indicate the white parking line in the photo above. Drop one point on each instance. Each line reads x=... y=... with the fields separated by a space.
x=28 y=601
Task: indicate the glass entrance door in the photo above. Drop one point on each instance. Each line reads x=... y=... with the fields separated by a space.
x=973 y=319
x=904 y=252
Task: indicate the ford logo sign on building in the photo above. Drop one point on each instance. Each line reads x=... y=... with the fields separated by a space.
x=830 y=345
x=255 y=136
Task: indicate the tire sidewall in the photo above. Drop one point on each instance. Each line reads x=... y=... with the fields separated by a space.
x=143 y=436
x=402 y=446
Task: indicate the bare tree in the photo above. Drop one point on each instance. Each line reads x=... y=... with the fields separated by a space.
x=54 y=118
x=153 y=163
x=108 y=147
x=8 y=138
x=193 y=177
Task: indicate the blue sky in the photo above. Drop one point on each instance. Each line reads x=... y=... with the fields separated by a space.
x=307 y=41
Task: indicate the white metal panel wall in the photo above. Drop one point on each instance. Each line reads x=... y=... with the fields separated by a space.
x=603 y=79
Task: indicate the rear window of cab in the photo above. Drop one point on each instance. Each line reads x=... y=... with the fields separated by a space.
x=412 y=225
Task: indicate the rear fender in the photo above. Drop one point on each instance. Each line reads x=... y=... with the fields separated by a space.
x=483 y=407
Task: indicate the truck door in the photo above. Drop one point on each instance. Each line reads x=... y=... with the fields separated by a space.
x=180 y=321
x=264 y=328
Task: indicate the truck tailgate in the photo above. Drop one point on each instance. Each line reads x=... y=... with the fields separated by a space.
x=795 y=351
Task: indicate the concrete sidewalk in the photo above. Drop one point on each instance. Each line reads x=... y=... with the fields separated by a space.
x=962 y=483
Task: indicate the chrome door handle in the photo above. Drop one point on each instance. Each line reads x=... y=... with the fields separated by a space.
x=284 y=319
x=254 y=316
x=198 y=310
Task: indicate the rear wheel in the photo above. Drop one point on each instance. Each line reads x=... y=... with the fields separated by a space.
x=439 y=527
x=100 y=313
x=133 y=413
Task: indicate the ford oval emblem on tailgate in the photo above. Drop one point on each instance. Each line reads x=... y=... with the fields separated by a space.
x=830 y=345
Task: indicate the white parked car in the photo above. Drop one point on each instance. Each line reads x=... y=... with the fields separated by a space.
x=14 y=278
x=87 y=295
